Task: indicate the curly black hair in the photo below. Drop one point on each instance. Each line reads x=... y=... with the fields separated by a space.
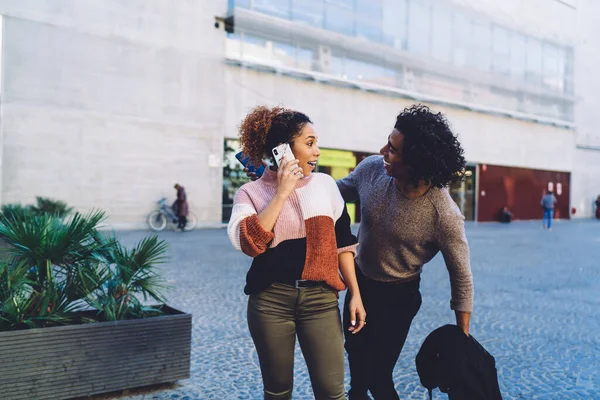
x=430 y=150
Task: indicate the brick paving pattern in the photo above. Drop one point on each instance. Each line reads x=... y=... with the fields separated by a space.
x=537 y=310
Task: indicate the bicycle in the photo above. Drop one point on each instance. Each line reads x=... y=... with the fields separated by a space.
x=159 y=219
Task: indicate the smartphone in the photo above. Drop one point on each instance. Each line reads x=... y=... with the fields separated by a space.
x=244 y=159
x=283 y=149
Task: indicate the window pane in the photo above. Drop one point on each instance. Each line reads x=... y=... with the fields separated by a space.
x=482 y=46
x=339 y=19
x=368 y=19
x=553 y=73
x=239 y=3
x=309 y=11
x=277 y=8
x=304 y=58
x=419 y=27
x=338 y=64
x=359 y=70
x=569 y=68
x=441 y=43
x=284 y=54
x=518 y=55
x=395 y=23
x=349 y=4
x=501 y=50
x=534 y=60
x=463 y=36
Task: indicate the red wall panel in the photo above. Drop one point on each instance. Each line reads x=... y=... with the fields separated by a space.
x=520 y=189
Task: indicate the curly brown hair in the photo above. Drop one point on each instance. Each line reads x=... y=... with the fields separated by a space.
x=264 y=128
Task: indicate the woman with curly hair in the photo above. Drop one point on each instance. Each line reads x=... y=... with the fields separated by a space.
x=407 y=217
x=294 y=224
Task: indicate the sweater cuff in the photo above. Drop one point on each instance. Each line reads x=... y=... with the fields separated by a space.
x=351 y=249
x=463 y=306
x=253 y=238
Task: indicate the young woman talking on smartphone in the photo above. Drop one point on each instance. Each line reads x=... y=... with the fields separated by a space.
x=294 y=224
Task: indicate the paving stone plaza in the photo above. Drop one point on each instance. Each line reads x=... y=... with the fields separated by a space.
x=537 y=310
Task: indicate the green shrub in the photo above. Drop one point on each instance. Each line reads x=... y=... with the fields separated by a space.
x=16 y=211
x=55 y=269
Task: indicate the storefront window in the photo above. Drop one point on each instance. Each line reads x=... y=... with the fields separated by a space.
x=233 y=176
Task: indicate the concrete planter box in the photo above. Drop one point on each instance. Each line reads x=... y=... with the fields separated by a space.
x=82 y=360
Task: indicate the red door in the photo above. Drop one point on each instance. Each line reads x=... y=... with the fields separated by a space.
x=520 y=189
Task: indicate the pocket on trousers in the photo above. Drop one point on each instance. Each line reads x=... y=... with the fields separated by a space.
x=274 y=300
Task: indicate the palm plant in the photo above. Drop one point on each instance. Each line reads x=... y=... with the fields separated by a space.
x=54 y=268
x=16 y=211
x=132 y=272
x=64 y=262
x=15 y=296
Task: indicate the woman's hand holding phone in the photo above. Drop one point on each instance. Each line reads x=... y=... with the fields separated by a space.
x=287 y=175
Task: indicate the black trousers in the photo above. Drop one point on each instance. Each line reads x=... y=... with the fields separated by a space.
x=374 y=351
x=182 y=221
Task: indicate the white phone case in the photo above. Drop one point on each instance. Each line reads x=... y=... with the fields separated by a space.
x=280 y=151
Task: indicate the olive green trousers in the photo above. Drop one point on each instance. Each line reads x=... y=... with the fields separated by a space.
x=279 y=314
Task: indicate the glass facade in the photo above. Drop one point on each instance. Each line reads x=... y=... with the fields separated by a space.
x=434 y=31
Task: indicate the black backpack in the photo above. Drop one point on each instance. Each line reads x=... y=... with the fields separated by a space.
x=458 y=365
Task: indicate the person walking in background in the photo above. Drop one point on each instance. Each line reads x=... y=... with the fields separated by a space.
x=598 y=207
x=548 y=202
x=295 y=225
x=181 y=207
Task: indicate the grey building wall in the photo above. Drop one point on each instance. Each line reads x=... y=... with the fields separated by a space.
x=586 y=169
x=108 y=104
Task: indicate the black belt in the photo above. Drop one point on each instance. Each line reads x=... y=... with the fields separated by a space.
x=303 y=283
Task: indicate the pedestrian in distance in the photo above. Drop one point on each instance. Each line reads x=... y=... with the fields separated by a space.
x=548 y=203
x=295 y=226
x=505 y=215
x=180 y=206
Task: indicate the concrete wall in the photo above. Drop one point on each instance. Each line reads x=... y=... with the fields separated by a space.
x=586 y=169
x=108 y=104
x=351 y=119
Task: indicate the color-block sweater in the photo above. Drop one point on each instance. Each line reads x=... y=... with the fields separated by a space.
x=311 y=230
